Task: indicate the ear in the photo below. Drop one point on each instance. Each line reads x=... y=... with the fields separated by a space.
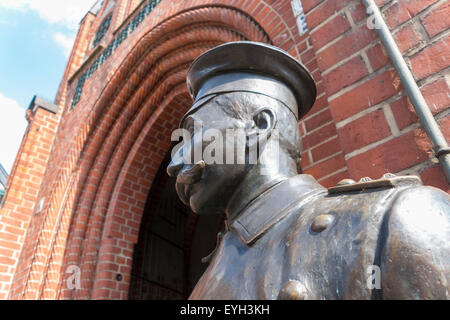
x=263 y=124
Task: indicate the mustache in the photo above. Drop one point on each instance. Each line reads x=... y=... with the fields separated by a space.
x=193 y=174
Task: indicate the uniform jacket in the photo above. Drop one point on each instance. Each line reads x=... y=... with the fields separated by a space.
x=299 y=240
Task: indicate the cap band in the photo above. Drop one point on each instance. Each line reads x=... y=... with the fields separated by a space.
x=246 y=82
x=197 y=105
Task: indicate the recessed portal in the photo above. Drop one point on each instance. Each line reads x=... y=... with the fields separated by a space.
x=172 y=240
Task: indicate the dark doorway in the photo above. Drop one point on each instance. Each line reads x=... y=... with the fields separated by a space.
x=172 y=240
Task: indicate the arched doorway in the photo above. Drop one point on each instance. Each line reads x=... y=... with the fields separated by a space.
x=110 y=148
x=172 y=240
x=122 y=148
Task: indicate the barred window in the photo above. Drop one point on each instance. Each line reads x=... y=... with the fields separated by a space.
x=108 y=51
x=102 y=31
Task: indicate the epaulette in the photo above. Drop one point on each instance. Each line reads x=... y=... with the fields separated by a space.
x=387 y=181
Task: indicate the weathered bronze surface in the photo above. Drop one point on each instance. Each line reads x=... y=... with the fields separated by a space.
x=287 y=237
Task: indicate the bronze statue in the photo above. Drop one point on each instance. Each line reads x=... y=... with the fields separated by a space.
x=287 y=237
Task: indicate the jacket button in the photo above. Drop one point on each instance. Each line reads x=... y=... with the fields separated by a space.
x=293 y=290
x=322 y=222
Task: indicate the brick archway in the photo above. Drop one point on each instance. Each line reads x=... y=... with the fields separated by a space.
x=146 y=100
x=105 y=167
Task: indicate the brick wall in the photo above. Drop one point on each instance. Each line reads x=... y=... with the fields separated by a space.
x=22 y=190
x=376 y=125
x=96 y=174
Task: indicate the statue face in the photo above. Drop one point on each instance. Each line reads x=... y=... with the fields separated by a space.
x=207 y=188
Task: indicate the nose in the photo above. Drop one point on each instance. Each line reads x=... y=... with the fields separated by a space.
x=175 y=165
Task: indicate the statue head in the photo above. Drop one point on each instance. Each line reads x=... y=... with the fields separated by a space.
x=241 y=135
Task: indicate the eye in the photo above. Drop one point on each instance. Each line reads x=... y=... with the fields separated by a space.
x=191 y=125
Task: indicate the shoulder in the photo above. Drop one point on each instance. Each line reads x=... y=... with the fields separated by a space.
x=423 y=207
x=415 y=257
x=403 y=197
x=420 y=216
x=419 y=221
x=421 y=199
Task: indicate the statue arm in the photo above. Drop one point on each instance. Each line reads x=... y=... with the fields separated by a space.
x=415 y=257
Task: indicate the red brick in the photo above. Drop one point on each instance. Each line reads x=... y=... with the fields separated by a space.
x=365 y=95
x=403 y=112
x=407 y=38
x=312 y=65
x=319 y=105
x=325 y=150
x=6 y=253
x=345 y=47
x=434 y=176
x=437 y=20
x=345 y=75
x=377 y=56
x=364 y=131
x=7 y=261
x=327 y=167
x=318 y=120
x=307 y=56
x=393 y=156
x=432 y=59
x=400 y=11
x=5 y=278
x=308 y=5
x=444 y=123
x=305 y=160
x=325 y=10
x=436 y=95
x=381 y=3
x=13 y=222
x=8 y=237
x=319 y=135
x=320 y=88
x=9 y=245
x=317 y=76
x=300 y=127
x=358 y=12
x=302 y=47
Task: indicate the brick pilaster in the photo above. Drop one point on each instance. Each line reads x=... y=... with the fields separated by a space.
x=21 y=199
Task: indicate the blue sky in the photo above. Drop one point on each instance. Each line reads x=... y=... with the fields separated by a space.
x=36 y=37
x=30 y=60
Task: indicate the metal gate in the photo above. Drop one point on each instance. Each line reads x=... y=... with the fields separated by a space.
x=159 y=270
x=172 y=241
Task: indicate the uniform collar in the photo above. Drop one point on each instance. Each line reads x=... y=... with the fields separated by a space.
x=272 y=206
